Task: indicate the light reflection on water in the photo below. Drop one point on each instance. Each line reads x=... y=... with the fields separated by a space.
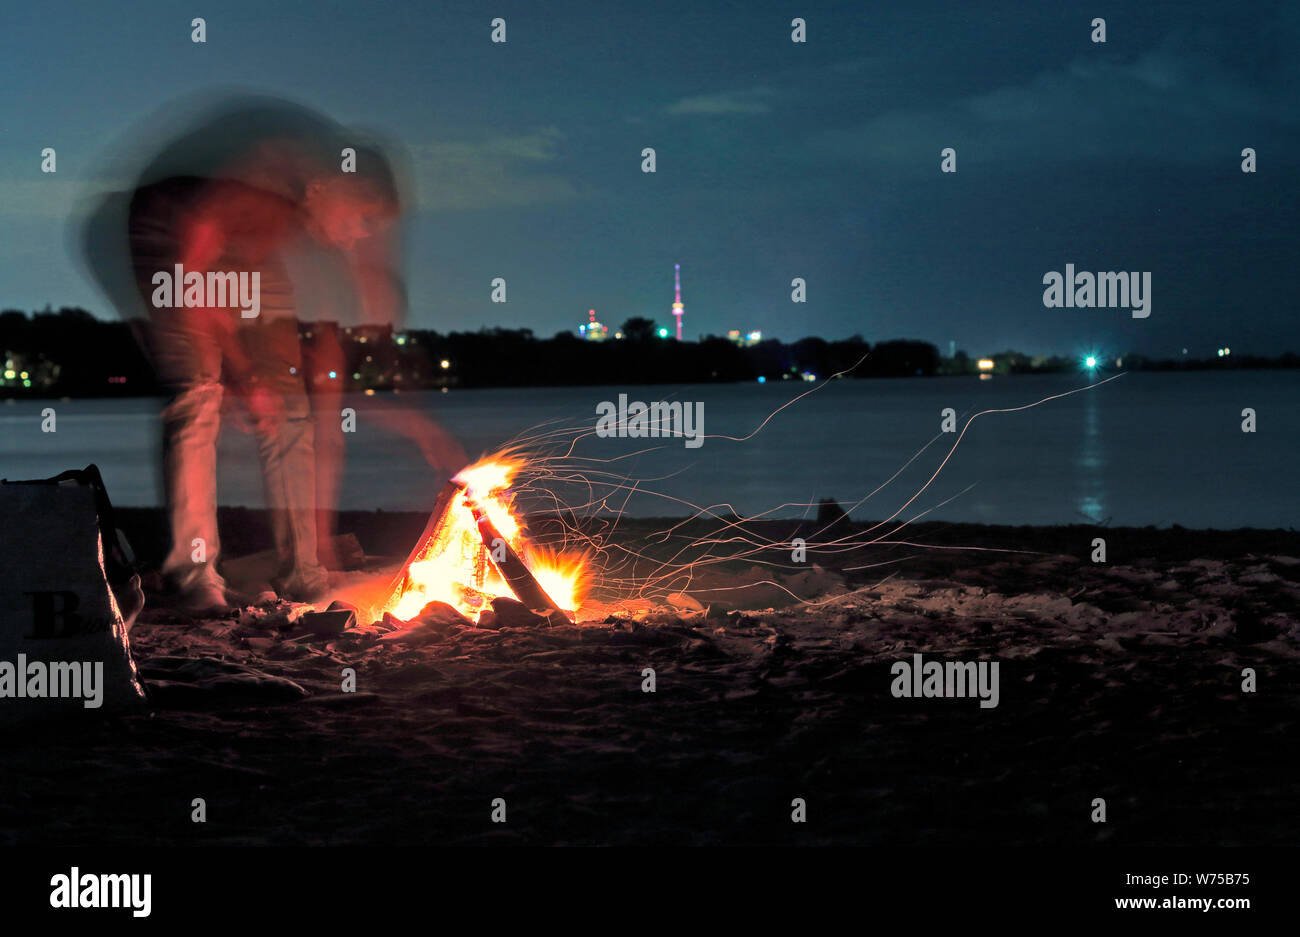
x=1091 y=459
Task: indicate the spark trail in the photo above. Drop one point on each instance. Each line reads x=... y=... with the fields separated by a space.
x=677 y=558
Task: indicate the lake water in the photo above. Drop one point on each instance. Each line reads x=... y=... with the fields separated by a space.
x=1144 y=449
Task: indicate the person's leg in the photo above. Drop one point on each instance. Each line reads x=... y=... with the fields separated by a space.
x=285 y=446
x=189 y=362
x=321 y=355
x=186 y=348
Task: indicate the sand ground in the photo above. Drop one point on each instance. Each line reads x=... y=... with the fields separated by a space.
x=1119 y=680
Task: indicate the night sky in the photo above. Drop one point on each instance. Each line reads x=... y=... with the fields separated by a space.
x=775 y=159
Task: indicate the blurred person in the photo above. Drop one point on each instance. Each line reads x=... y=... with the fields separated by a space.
x=230 y=201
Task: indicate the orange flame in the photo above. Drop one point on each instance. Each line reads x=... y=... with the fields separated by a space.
x=451 y=563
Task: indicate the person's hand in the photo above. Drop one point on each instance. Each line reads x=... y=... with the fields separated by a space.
x=440 y=449
x=265 y=408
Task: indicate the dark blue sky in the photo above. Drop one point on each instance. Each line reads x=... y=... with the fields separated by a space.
x=775 y=159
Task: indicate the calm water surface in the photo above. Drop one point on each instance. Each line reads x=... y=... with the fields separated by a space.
x=1144 y=449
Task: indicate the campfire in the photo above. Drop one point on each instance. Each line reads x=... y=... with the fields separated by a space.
x=475 y=549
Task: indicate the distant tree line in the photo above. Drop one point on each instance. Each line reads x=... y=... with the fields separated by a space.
x=72 y=353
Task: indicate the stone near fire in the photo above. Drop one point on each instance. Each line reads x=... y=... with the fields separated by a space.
x=512 y=614
x=683 y=601
x=413 y=637
x=331 y=621
x=435 y=621
x=441 y=615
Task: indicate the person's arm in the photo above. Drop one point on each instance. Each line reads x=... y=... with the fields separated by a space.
x=440 y=448
x=373 y=263
x=202 y=243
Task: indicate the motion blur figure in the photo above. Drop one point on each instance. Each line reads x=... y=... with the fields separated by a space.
x=256 y=187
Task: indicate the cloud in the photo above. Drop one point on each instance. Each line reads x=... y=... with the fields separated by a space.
x=496 y=172
x=747 y=101
x=1173 y=104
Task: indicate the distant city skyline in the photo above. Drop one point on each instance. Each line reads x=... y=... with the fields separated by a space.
x=775 y=160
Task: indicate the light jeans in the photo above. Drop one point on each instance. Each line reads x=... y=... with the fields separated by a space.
x=201 y=354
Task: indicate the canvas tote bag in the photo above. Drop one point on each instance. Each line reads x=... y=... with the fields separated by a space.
x=68 y=595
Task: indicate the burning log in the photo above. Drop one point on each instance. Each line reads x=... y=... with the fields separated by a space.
x=508 y=563
x=474 y=550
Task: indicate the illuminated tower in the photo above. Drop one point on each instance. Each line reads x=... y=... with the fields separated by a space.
x=678 y=308
x=593 y=331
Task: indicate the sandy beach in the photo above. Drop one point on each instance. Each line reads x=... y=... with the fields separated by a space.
x=1118 y=680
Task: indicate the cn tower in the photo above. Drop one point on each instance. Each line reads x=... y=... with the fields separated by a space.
x=678 y=308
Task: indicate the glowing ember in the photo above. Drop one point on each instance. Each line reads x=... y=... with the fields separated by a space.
x=452 y=564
